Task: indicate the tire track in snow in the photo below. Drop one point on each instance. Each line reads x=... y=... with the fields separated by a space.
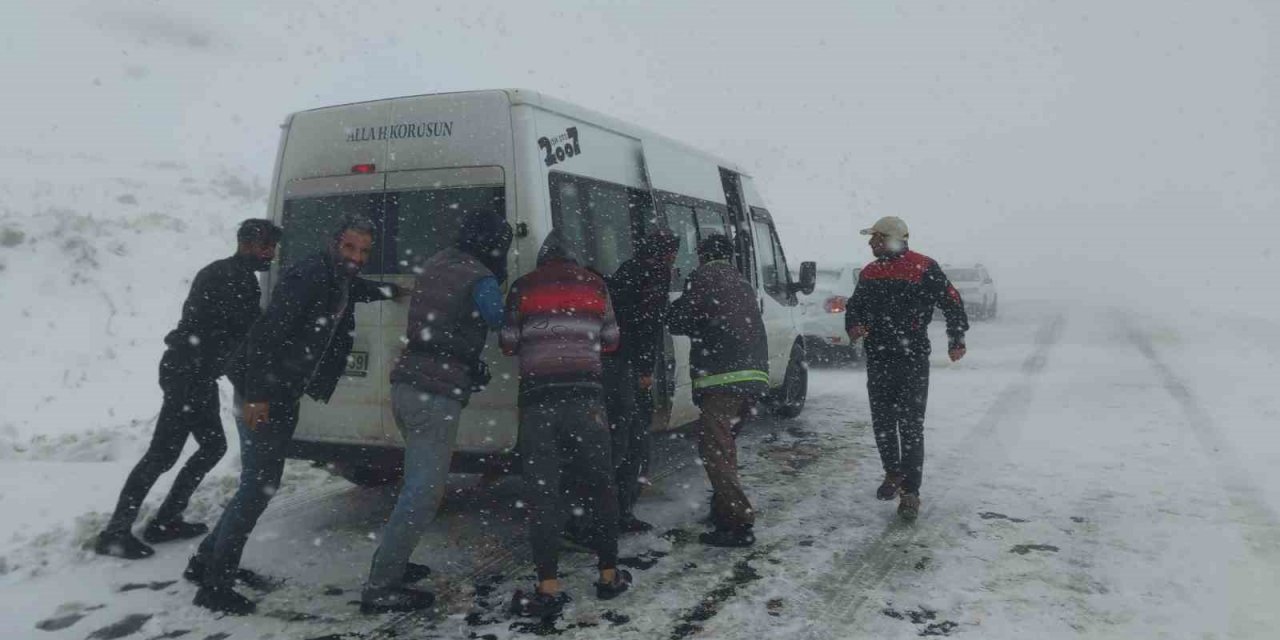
x=1258 y=520
x=843 y=594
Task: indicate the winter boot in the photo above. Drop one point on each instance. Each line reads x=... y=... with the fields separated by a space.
x=194 y=573
x=631 y=524
x=909 y=506
x=538 y=605
x=122 y=544
x=224 y=600
x=610 y=590
x=416 y=572
x=399 y=599
x=889 y=488
x=161 y=532
x=728 y=538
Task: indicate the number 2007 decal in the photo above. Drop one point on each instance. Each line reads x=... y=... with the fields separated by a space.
x=560 y=148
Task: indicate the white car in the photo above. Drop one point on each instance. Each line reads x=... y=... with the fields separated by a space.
x=976 y=289
x=822 y=319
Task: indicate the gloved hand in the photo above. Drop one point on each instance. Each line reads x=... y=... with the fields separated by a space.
x=480 y=376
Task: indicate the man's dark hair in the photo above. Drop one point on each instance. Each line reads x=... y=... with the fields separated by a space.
x=715 y=247
x=256 y=231
x=359 y=224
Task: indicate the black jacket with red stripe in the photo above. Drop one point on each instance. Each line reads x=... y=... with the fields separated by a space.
x=895 y=298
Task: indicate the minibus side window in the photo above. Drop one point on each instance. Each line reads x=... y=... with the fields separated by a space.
x=712 y=222
x=680 y=219
x=774 y=277
x=770 y=271
x=598 y=220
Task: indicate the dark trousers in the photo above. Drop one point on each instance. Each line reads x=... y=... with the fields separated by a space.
x=564 y=429
x=899 y=392
x=630 y=412
x=262 y=456
x=721 y=420
x=190 y=408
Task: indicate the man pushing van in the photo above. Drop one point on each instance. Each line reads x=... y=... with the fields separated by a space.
x=222 y=305
x=456 y=301
x=729 y=365
x=558 y=321
x=298 y=346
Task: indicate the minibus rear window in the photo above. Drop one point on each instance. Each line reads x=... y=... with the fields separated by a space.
x=427 y=221
x=309 y=224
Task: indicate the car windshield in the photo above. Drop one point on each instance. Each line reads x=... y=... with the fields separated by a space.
x=963 y=275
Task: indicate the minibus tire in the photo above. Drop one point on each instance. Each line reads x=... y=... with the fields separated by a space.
x=795 y=385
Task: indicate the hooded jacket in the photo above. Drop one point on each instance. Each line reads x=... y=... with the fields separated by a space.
x=639 y=290
x=558 y=321
x=445 y=333
x=729 y=350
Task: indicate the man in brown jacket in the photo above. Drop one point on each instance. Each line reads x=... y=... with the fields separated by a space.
x=729 y=365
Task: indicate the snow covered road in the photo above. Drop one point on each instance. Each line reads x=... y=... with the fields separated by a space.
x=1078 y=483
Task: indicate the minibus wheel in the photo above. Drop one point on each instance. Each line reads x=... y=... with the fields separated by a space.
x=795 y=385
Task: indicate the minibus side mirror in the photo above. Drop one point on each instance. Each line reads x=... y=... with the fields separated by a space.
x=808 y=278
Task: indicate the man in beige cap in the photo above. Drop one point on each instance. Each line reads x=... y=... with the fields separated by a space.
x=890 y=309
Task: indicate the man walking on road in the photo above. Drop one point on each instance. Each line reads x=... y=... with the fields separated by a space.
x=559 y=319
x=890 y=309
x=220 y=308
x=456 y=301
x=729 y=365
x=298 y=346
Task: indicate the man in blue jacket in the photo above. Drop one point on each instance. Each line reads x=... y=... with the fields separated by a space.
x=298 y=346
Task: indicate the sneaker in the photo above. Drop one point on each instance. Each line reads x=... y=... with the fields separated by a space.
x=194 y=573
x=728 y=538
x=160 y=532
x=122 y=544
x=631 y=524
x=399 y=599
x=416 y=572
x=909 y=506
x=610 y=590
x=889 y=488
x=538 y=605
x=224 y=600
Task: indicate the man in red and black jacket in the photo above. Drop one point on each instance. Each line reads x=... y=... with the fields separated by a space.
x=890 y=310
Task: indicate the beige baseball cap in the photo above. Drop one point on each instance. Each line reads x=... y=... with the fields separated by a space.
x=889 y=227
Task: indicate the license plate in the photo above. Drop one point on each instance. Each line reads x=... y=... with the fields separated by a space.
x=357 y=364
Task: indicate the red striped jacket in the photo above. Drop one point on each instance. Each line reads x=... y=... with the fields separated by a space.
x=559 y=319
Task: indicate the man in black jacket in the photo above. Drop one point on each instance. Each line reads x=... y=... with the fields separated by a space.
x=220 y=308
x=639 y=289
x=729 y=366
x=891 y=308
x=298 y=346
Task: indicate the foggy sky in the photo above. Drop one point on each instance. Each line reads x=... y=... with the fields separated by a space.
x=1080 y=149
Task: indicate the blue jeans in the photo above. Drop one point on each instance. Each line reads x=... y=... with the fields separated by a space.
x=429 y=424
x=262 y=455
